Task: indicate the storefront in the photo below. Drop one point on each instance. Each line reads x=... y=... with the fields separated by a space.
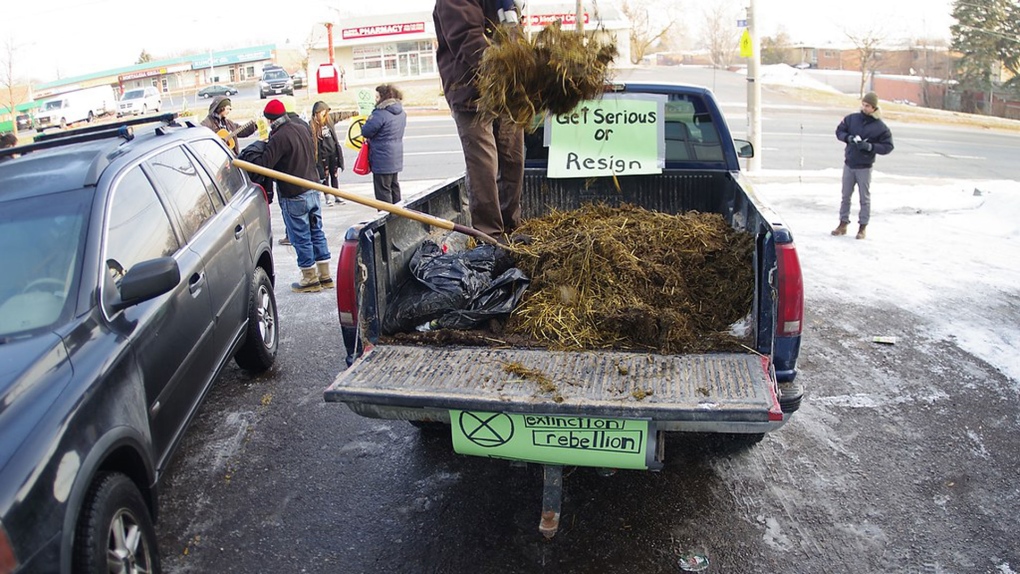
x=400 y=47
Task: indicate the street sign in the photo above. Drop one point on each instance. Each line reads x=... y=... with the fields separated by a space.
x=741 y=23
x=746 y=46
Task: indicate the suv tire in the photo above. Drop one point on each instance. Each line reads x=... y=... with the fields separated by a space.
x=262 y=339
x=262 y=95
x=115 y=521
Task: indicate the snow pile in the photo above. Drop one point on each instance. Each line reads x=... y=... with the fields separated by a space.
x=786 y=75
x=945 y=250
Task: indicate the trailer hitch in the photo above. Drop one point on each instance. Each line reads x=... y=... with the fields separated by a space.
x=552 y=496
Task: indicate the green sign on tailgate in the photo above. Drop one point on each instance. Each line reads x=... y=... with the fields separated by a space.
x=554 y=439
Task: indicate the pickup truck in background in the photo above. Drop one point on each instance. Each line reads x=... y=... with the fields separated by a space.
x=594 y=420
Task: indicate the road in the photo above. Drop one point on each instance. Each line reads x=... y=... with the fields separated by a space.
x=902 y=458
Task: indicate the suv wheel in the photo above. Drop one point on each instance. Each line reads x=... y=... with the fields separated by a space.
x=114 y=532
x=262 y=339
x=262 y=95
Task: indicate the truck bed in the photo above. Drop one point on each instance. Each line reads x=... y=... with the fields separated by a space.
x=681 y=392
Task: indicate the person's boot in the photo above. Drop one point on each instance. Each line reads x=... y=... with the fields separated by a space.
x=861 y=232
x=325 y=280
x=841 y=230
x=309 y=282
x=284 y=240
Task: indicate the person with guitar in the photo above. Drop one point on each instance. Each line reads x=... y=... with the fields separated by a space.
x=227 y=129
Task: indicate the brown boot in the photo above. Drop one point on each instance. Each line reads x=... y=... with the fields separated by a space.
x=841 y=229
x=309 y=282
x=325 y=280
x=861 y=232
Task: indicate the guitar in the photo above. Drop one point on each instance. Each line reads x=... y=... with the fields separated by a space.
x=228 y=136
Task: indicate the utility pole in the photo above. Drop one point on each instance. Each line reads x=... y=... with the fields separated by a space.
x=754 y=92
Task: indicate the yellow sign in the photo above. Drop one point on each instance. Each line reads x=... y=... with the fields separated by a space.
x=354 y=138
x=746 y=45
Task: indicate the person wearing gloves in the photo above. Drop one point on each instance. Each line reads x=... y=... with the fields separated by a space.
x=493 y=151
x=290 y=150
x=384 y=130
x=217 y=120
x=865 y=136
x=329 y=158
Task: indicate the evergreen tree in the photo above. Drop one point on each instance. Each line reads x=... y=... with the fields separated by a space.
x=144 y=57
x=986 y=34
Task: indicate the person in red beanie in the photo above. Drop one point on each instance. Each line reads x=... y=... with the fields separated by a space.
x=290 y=150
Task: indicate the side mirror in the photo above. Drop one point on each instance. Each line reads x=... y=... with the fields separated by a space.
x=744 y=148
x=147 y=280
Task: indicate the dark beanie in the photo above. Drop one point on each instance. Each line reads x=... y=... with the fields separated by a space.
x=871 y=98
x=274 y=110
x=223 y=103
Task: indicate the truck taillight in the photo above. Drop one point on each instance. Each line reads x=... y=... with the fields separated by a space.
x=8 y=561
x=791 y=291
x=346 y=274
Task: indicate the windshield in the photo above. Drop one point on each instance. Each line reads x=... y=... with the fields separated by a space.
x=43 y=239
x=133 y=95
x=54 y=104
x=275 y=75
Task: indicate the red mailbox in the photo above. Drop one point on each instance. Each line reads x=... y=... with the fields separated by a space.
x=327 y=78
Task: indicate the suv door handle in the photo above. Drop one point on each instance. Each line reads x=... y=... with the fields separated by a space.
x=238 y=231
x=196 y=282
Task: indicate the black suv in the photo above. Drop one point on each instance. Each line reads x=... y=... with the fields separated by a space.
x=137 y=261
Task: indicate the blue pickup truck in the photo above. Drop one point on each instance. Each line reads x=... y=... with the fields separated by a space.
x=595 y=421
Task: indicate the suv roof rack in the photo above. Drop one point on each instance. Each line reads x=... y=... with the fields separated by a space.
x=119 y=129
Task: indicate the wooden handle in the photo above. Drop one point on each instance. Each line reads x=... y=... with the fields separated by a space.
x=370 y=202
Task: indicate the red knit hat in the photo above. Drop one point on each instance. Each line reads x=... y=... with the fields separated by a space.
x=274 y=109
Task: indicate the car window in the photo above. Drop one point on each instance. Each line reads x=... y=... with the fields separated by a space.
x=178 y=177
x=133 y=94
x=137 y=228
x=43 y=239
x=210 y=187
x=228 y=178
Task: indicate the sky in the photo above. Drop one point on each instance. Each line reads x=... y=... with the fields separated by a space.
x=83 y=36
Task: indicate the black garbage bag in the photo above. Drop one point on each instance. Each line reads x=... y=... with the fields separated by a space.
x=455 y=290
x=252 y=153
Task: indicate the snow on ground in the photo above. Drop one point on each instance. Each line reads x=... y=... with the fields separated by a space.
x=785 y=75
x=946 y=250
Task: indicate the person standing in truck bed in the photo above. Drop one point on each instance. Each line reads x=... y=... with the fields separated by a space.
x=493 y=151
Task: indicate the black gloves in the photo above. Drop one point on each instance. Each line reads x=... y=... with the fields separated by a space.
x=864 y=146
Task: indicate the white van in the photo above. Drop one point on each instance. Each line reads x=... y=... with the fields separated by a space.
x=78 y=106
x=139 y=101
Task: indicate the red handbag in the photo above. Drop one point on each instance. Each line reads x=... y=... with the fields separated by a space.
x=361 y=165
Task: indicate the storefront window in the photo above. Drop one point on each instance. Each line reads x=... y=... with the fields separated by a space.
x=394 y=60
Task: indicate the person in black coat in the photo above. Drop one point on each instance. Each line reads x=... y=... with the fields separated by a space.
x=329 y=157
x=865 y=136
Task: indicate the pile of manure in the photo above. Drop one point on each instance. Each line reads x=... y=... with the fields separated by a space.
x=629 y=278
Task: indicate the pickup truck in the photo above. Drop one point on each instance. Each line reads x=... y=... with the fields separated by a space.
x=595 y=420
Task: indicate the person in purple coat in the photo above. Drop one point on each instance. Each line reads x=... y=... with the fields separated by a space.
x=384 y=130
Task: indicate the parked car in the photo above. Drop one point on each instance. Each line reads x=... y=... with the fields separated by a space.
x=136 y=266
x=275 y=81
x=299 y=79
x=139 y=101
x=25 y=122
x=217 y=90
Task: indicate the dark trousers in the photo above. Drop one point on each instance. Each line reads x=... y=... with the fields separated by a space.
x=387 y=188
x=494 y=157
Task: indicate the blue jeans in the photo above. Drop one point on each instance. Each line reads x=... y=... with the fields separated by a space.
x=302 y=216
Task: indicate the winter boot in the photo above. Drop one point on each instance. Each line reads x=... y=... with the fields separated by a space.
x=309 y=282
x=861 y=232
x=841 y=230
x=325 y=281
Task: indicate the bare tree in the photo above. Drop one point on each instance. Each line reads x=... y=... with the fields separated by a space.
x=869 y=55
x=650 y=24
x=721 y=35
x=13 y=92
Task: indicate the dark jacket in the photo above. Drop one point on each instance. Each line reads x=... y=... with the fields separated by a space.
x=385 y=132
x=234 y=130
x=290 y=150
x=870 y=129
x=462 y=30
x=252 y=153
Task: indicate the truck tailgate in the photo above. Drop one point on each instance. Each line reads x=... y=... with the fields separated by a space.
x=725 y=387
